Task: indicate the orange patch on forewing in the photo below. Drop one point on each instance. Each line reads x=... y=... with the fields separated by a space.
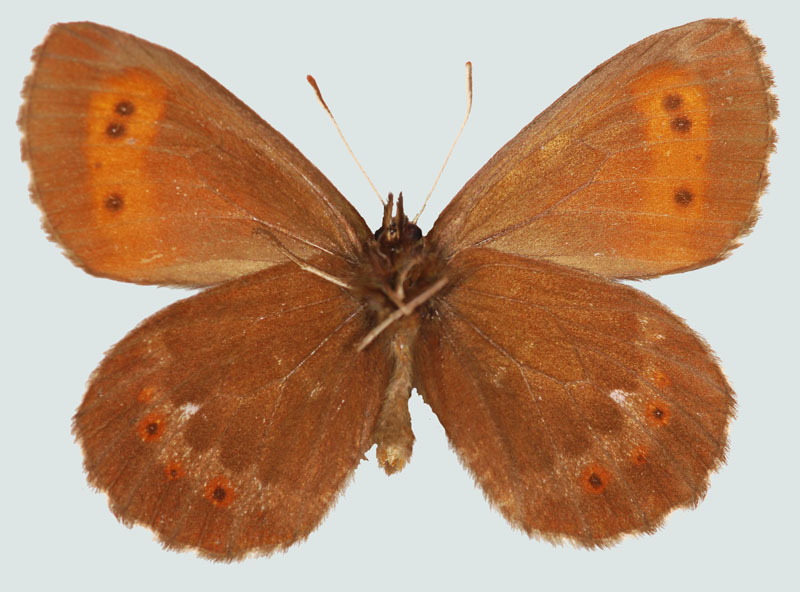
x=151 y=427
x=675 y=123
x=219 y=492
x=122 y=120
x=594 y=479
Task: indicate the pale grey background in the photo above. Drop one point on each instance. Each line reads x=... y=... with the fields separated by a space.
x=393 y=74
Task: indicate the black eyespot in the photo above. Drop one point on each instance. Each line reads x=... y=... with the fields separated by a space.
x=125 y=108
x=681 y=124
x=115 y=130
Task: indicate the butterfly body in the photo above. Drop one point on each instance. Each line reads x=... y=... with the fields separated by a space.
x=394 y=284
x=230 y=421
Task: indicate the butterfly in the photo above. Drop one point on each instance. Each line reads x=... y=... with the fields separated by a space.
x=230 y=421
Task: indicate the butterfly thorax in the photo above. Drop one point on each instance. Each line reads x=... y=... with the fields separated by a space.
x=399 y=270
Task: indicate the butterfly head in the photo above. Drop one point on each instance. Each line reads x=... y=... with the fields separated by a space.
x=397 y=234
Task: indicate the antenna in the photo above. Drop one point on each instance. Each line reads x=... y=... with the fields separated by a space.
x=314 y=85
x=452 y=147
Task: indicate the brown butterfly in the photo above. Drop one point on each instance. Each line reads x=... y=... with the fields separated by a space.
x=230 y=421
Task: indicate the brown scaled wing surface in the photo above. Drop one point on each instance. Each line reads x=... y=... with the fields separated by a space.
x=149 y=171
x=231 y=420
x=584 y=408
x=651 y=164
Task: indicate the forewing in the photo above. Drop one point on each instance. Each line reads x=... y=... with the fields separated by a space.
x=148 y=170
x=583 y=408
x=230 y=421
x=651 y=164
